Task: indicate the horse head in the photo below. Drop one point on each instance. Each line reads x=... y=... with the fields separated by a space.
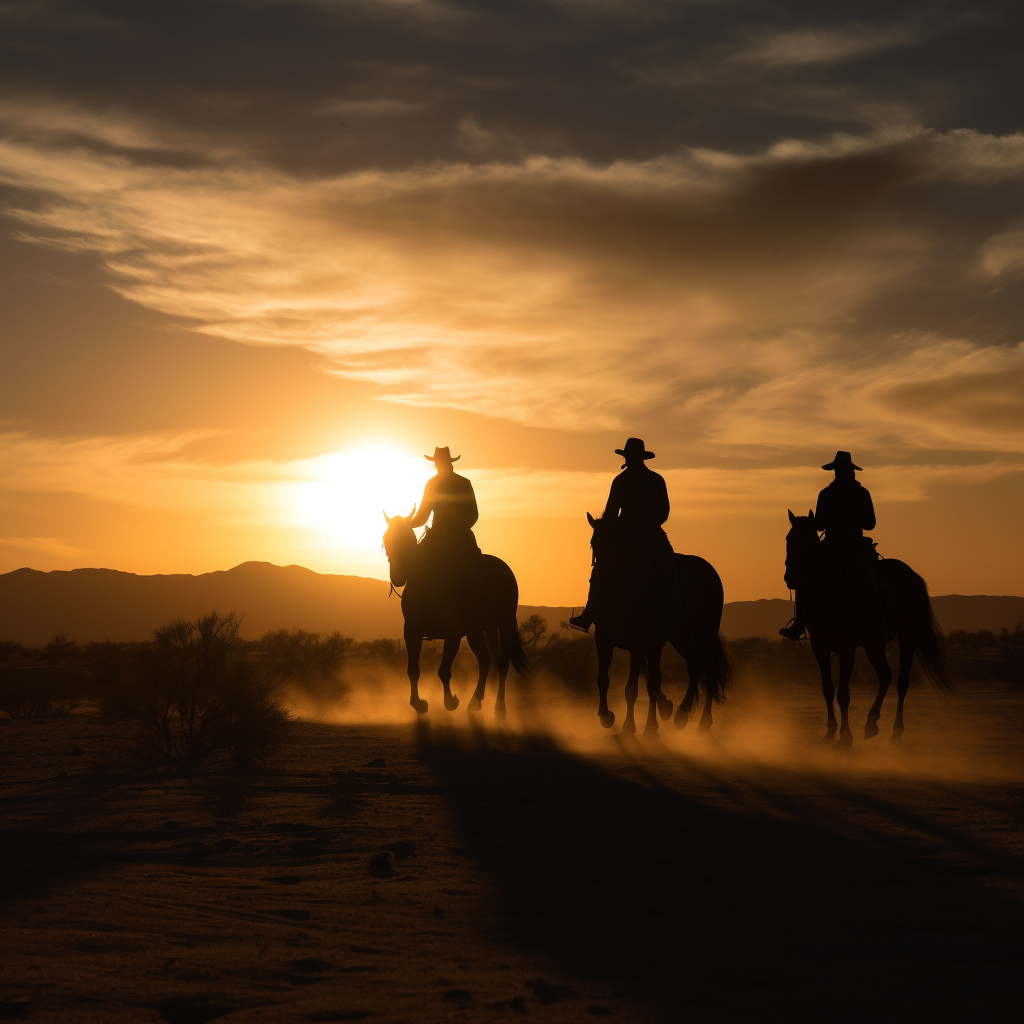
x=801 y=547
x=399 y=543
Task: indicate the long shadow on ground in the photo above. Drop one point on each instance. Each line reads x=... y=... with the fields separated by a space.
x=715 y=907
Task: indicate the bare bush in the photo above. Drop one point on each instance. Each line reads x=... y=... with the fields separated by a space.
x=41 y=684
x=196 y=690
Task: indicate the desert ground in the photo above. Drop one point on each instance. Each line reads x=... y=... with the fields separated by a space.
x=458 y=868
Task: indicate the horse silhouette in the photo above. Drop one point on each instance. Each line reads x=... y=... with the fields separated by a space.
x=837 y=625
x=434 y=610
x=630 y=616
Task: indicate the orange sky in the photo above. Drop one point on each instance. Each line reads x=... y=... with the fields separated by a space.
x=750 y=242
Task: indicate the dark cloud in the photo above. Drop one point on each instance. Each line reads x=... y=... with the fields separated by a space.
x=323 y=87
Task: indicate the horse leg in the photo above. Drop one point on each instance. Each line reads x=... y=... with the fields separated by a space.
x=413 y=644
x=632 y=689
x=478 y=645
x=689 y=655
x=704 y=725
x=444 y=670
x=654 y=695
x=907 y=650
x=503 y=662
x=824 y=658
x=604 y=660
x=846 y=659
x=879 y=662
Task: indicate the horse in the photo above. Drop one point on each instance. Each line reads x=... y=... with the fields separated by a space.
x=428 y=616
x=837 y=625
x=628 y=617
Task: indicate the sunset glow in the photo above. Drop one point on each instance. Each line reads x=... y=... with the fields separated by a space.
x=346 y=503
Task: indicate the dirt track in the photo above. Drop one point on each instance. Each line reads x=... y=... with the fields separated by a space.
x=563 y=874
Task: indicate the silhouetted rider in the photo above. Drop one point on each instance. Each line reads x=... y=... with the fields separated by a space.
x=449 y=541
x=844 y=512
x=639 y=497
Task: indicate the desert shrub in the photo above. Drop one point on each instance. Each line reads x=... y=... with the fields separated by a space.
x=388 y=650
x=988 y=657
x=570 y=657
x=38 y=690
x=196 y=691
x=42 y=683
x=303 y=656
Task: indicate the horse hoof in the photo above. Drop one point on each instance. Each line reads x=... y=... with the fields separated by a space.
x=651 y=730
x=451 y=702
x=829 y=738
x=665 y=708
x=499 y=710
x=846 y=739
x=607 y=719
x=870 y=730
x=704 y=728
x=896 y=740
x=682 y=719
x=420 y=706
x=629 y=728
x=474 y=704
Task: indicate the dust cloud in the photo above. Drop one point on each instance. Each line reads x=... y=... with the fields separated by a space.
x=973 y=737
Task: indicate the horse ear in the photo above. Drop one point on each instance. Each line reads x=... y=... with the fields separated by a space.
x=387 y=518
x=591 y=519
x=792 y=518
x=412 y=512
x=810 y=514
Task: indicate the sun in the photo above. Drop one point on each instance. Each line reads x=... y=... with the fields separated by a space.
x=351 y=489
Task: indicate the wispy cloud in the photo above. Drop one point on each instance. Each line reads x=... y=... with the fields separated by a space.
x=47 y=545
x=565 y=293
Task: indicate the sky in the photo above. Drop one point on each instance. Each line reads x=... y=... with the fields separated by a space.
x=257 y=258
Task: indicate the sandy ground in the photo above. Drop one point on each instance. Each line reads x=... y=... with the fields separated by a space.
x=449 y=869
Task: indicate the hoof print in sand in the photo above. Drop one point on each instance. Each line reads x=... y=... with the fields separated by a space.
x=404 y=849
x=340 y=1015
x=191 y=1010
x=545 y=992
x=380 y=866
x=292 y=915
x=306 y=971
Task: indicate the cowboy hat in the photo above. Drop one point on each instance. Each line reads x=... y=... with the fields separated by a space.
x=841 y=459
x=634 y=449
x=444 y=454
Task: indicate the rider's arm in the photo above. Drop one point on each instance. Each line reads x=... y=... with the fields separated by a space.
x=426 y=505
x=661 y=506
x=611 y=509
x=867 y=512
x=821 y=510
x=472 y=512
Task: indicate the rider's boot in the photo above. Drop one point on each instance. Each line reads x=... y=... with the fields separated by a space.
x=793 y=630
x=584 y=620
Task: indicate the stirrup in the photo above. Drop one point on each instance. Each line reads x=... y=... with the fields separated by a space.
x=791 y=631
x=576 y=622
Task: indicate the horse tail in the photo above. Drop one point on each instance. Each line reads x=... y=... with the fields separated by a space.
x=505 y=590
x=512 y=643
x=929 y=639
x=715 y=668
x=700 y=578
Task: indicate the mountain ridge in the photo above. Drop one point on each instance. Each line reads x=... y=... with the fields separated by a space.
x=99 y=604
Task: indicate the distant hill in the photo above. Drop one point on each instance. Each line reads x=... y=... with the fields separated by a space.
x=100 y=604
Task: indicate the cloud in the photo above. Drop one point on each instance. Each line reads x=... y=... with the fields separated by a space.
x=739 y=296
x=47 y=545
x=829 y=45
